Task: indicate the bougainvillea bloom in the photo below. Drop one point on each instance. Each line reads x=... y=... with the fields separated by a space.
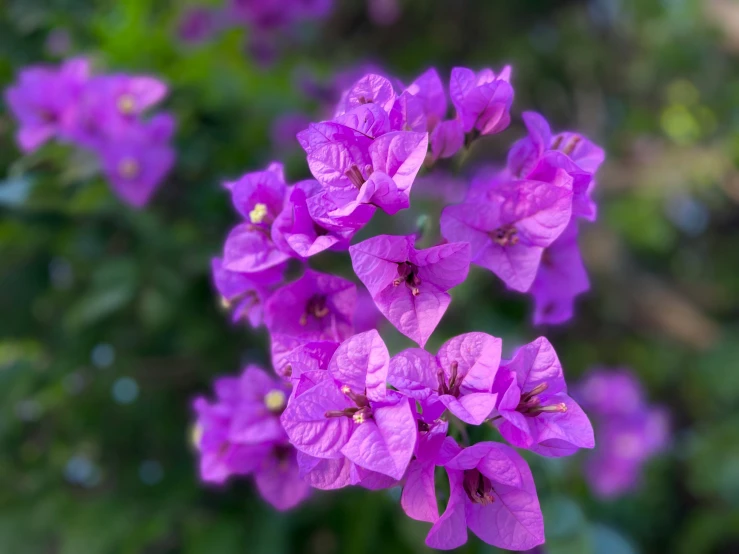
x=509 y=228
x=492 y=493
x=630 y=430
x=318 y=306
x=45 y=99
x=483 y=100
x=410 y=286
x=460 y=377
x=241 y=434
x=572 y=152
x=352 y=414
x=140 y=157
x=534 y=410
x=244 y=294
x=259 y=197
x=288 y=351
x=561 y=277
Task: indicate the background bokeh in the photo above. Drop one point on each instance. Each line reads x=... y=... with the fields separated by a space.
x=109 y=325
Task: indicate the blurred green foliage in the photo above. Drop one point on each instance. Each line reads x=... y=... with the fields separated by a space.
x=109 y=325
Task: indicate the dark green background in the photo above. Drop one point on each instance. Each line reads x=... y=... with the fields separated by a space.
x=655 y=82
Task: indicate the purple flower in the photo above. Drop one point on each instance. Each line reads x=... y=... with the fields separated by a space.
x=241 y=434
x=306 y=355
x=446 y=139
x=561 y=277
x=509 y=227
x=351 y=414
x=271 y=14
x=44 y=100
x=410 y=286
x=244 y=294
x=299 y=223
x=534 y=410
x=259 y=197
x=199 y=24
x=459 y=378
x=359 y=161
x=483 y=100
x=109 y=106
x=630 y=431
x=318 y=306
x=572 y=152
x=492 y=493
x=139 y=159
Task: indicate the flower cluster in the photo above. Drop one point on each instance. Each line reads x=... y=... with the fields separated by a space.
x=630 y=430
x=104 y=114
x=349 y=413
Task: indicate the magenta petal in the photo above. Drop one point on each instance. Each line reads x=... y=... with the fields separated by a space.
x=371 y=88
x=324 y=474
x=368 y=119
x=372 y=480
x=408 y=114
x=562 y=434
x=515 y=265
x=249 y=251
x=381 y=191
x=450 y=530
x=430 y=90
x=280 y=484
x=400 y=154
x=537 y=363
x=386 y=442
x=286 y=349
x=471 y=408
x=414 y=316
x=418 y=499
x=478 y=357
x=376 y=260
x=361 y=362
x=307 y=426
x=446 y=139
x=414 y=373
x=446 y=266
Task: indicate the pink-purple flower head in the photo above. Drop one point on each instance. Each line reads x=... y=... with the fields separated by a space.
x=509 y=225
x=240 y=434
x=244 y=294
x=459 y=378
x=44 y=100
x=572 y=152
x=492 y=493
x=534 y=410
x=139 y=158
x=317 y=306
x=630 y=430
x=350 y=414
x=560 y=279
x=410 y=286
x=483 y=100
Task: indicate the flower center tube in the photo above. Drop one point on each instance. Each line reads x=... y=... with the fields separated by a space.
x=530 y=404
x=408 y=273
x=355 y=175
x=507 y=235
x=455 y=381
x=478 y=487
x=359 y=413
x=315 y=307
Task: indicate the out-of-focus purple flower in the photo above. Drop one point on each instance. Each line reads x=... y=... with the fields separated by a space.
x=318 y=306
x=44 y=100
x=240 y=434
x=410 y=286
x=492 y=493
x=199 y=23
x=630 y=431
x=561 y=277
x=483 y=100
x=534 y=410
x=366 y=316
x=139 y=159
x=446 y=139
x=349 y=413
x=383 y=12
x=572 y=152
x=259 y=197
x=459 y=378
x=244 y=294
x=510 y=224
x=285 y=127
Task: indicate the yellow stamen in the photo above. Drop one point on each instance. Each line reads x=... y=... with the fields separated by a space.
x=196 y=435
x=258 y=214
x=128 y=168
x=358 y=417
x=345 y=389
x=274 y=400
x=126 y=104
